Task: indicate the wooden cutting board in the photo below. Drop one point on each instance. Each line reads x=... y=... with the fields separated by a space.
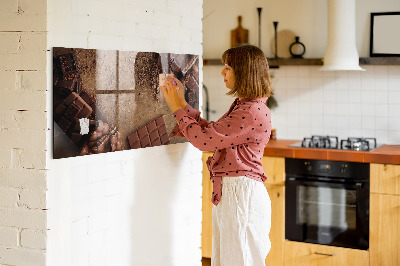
x=239 y=35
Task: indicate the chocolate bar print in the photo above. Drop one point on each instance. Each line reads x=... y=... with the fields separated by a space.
x=153 y=134
x=103 y=100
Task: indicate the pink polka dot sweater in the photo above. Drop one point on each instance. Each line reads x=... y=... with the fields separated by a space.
x=238 y=139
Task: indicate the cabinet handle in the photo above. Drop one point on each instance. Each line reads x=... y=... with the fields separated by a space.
x=325 y=254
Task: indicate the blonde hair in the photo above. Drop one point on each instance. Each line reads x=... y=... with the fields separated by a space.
x=250 y=66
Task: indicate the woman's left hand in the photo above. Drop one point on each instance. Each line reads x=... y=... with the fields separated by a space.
x=171 y=96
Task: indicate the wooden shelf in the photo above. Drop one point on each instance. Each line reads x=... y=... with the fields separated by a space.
x=380 y=61
x=274 y=63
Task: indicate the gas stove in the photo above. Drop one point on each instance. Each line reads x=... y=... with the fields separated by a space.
x=332 y=142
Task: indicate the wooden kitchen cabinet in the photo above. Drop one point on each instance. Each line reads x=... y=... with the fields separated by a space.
x=206 y=225
x=274 y=168
x=277 y=233
x=385 y=178
x=384 y=236
x=305 y=254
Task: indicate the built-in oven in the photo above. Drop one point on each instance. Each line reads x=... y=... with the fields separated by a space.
x=327 y=202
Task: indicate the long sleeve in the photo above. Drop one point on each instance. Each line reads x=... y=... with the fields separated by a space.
x=231 y=130
x=193 y=113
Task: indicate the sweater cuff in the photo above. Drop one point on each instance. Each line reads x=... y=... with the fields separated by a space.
x=180 y=114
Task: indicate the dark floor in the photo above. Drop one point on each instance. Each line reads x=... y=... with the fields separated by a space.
x=206 y=261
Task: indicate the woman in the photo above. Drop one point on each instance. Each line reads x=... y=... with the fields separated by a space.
x=242 y=208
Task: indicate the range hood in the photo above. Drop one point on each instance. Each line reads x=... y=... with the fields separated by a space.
x=341 y=51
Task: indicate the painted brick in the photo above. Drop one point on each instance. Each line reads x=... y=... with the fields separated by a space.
x=8 y=6
x=23 y=139
x=5 y=158
x=23 y=218
x=33 y=7
x=107 y=41
x=23 y=178
x=33 y=199
x=23 y=22
x=33 y=159
x=32 y=80
x=31 y=53
x=23 y=100
x=189 y=22
x=150 y=7
x=7 y=80
x=155 y=32
x=32 y=120
x=9 y=42
x=9 y=237
x=16 y=158
x=134 y=44
x=168 y=19
x=32 y=61
x=8 y=197
x=33 y=239
x=13 y=256
x=102 y=11
x=184 y=7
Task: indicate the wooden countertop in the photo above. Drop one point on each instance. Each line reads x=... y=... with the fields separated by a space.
x=389 y=154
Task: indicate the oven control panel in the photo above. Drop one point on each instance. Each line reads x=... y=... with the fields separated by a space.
x=338 y=169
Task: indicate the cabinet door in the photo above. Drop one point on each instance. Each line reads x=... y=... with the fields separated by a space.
x=384 y=229
x=304 y=254
x=277 y=233
x=206 y=232
x=385 y=178
x=274 y=168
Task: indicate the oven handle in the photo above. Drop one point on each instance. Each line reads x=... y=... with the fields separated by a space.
x=357 y=185
x=324 y=254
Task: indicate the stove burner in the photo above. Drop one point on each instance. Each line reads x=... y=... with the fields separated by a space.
x=332 y=142
x=328 y=142
x=358 y=144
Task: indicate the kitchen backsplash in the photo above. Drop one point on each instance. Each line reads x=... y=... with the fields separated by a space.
x=314 y=102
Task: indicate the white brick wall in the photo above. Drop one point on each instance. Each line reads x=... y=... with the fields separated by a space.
x=137 y=207
x=23 y=132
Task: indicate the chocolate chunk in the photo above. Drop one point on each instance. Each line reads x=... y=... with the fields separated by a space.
x=190 y=83
x=71 y=109
x=194 y=72
x=71 y=82
x=152 y=134
x=165 y=139
x=175 y=69
x=189 y=65
x=64 y=123
x=68 y=63
x=87 y=98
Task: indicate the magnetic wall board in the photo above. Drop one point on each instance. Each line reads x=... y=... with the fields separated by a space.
x=109 y=100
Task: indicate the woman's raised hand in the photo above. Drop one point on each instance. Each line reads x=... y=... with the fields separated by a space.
x=174 y=94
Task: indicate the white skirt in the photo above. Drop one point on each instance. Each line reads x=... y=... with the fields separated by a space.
x=241 y=223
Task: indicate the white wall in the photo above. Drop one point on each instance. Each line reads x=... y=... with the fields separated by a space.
x=305 y=18
x=311 y=102
x=134 y=207
x=23 y=132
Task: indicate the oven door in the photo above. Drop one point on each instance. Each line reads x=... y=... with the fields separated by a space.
x=327 y=213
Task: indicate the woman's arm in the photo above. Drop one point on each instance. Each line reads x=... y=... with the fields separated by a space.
x=239 y=127
x=175 y=99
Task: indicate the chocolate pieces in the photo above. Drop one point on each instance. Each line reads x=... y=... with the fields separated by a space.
x=71 y=109
x=152 y=134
